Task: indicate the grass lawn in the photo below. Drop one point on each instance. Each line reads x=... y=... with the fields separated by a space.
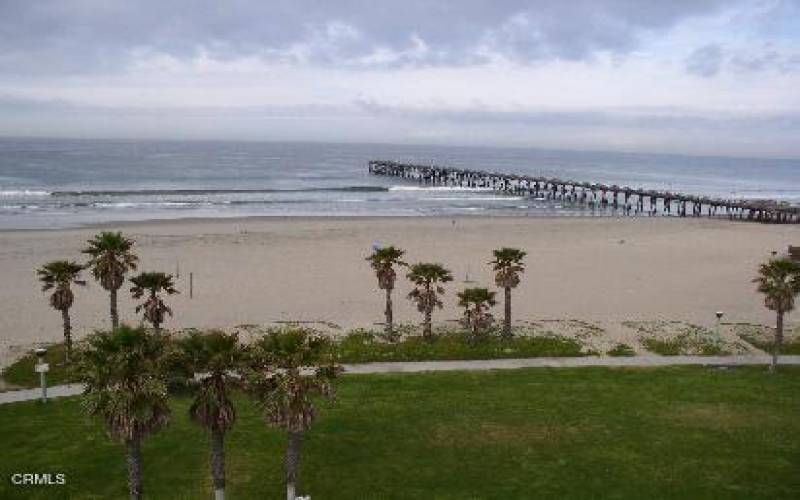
x=22 y=373
x=687 y=432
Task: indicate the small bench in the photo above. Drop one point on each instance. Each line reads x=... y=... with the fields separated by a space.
x=794 y=252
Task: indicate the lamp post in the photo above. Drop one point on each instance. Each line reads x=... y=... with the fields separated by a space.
x=718 y=338
x=42 y=368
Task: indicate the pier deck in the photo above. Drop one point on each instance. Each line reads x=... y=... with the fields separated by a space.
x=630 y=201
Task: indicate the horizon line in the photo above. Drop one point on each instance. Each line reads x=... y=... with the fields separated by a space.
x=401 y=144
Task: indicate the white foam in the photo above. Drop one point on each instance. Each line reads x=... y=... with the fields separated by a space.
x=123 y=204
x=478 y=198
x=439 y=188
x=23 y=192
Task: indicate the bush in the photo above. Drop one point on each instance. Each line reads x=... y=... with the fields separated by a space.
x=621 y=350
x=362 y=346
x=673 y=338
x=682 y=345
x=672 y=347
x=790 y=347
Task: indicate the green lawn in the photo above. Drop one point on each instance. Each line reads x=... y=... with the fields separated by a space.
x=22 y=373
x=688 y=432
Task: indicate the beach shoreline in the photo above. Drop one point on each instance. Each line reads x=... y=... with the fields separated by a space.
x=121 y=224
x=276 y=269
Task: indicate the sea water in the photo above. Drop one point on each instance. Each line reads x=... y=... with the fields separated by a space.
x=46 y=183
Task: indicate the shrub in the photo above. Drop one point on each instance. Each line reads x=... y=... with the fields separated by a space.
x=670 y=347
x=621 y=350
x=362 y=346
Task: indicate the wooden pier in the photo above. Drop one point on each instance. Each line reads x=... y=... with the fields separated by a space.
x=622 y=199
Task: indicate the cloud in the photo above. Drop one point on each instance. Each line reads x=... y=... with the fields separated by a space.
x=632 y=117
x=692 y=75
x=767 y=60
x=705 y=61
x=15 y=105
x=645 y=130
x=709 y=60
x=85 y=36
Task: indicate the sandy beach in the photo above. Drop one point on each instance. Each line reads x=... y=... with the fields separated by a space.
x=267 y=270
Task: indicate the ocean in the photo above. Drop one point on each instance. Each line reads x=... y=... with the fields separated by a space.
x=46 y=183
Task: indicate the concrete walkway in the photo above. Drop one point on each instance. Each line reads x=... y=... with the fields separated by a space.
x=480 y=364
x=57 y=391
x=565 y=362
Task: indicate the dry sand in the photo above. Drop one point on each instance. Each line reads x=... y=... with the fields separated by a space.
x=263 y=270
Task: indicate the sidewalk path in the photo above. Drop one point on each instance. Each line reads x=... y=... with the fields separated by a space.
x=479 y=364
x=57 y=391
x=565 y=362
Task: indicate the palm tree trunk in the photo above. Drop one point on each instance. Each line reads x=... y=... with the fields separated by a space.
x=388 y=312
x=67 y=334
x=134 y=459
x=218 y=463
x=293 y=463
x=112 y=295
x=474 y=329
x=156 y=323
x=427 y=332
x=776 y=346
x=507 y=318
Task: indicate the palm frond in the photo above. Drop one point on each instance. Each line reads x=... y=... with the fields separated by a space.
x=779 y=281
x=288 y=371
x=61 y=275
x=426 y=273
x=390 y=255
x=508 y=265
x=125 y=376
x=507 y=256
x=110 y=258
x=153 y=283
x=383 y=261
x=476 y=296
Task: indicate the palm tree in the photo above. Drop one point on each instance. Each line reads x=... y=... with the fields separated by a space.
x=61 y=275
x=383 y=261
x=126 y=386
x=507 y=265
x=288 y=369
x=153 y=283
x=426 y=277
x=213 y=359
x=476 y=303
x=111 y=258
x=779 y=281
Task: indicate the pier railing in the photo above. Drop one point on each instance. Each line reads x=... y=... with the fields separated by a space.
x=630 y=201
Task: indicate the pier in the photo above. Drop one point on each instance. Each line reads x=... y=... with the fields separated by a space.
x=620 y=199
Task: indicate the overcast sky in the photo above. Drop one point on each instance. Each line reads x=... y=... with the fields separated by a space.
x=678 y=76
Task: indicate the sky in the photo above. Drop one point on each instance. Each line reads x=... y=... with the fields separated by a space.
x=700 y=77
